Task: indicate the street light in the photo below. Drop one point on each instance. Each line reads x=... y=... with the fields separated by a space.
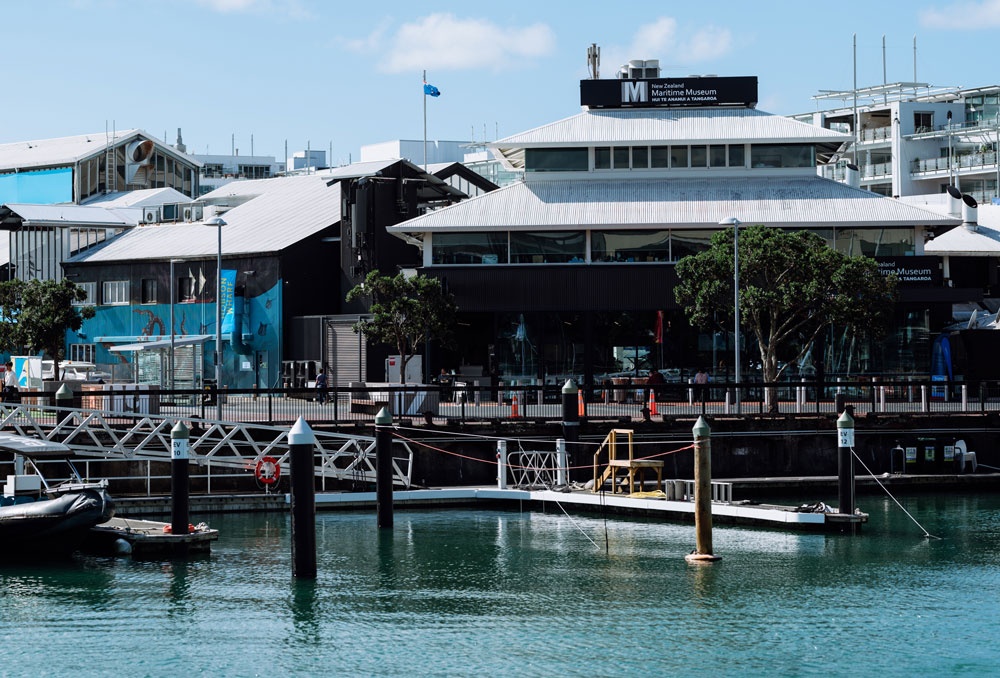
x=218 y=223
x=735 y=223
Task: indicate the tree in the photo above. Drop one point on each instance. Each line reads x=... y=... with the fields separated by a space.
x=405 y=311
x=36 y=314
x=792 y=286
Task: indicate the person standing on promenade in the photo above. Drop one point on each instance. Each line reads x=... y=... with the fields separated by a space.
x=321 y=387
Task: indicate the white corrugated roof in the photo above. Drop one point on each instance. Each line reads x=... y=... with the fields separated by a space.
x=67 y=214
x=23 y=155
x=669 y=125
x=279 y=213
x=984 y=241
x=792 y=202
x=146 y=197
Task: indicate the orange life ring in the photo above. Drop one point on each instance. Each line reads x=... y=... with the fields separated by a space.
x=268 y=471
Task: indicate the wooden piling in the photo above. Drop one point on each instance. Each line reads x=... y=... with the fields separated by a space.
x=702 y=494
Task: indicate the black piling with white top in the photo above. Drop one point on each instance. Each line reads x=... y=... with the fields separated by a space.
x=845 y=463
x=180 y=506
x=301 y=441
x=383 y=468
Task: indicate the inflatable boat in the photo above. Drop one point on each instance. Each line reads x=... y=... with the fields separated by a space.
x=42 y=519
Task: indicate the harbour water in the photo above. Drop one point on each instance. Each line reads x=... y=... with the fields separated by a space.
x=494 y=593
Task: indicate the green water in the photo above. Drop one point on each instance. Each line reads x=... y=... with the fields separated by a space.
x=487 y=593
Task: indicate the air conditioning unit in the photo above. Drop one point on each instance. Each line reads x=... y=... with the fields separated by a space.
x=150 y=215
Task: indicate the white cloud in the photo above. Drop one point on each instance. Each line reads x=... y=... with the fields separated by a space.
x=445 y=42
x=668 y=41
x=963 y=15
x=291 y=8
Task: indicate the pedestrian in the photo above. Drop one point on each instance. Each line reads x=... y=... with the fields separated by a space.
x=321 y=387
x=11 y=394
x=700 y=379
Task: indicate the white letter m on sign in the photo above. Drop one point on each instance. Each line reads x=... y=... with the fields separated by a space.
x=634 y=92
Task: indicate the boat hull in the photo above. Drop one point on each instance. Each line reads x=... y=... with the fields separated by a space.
x=54 y=526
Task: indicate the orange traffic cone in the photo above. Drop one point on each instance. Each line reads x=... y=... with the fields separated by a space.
x=579 y=403
x=513 y=407
x=652 y=402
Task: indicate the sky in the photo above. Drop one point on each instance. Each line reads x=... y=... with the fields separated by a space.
x=260 y=75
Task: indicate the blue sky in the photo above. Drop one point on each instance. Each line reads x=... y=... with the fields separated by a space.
x=322 y=72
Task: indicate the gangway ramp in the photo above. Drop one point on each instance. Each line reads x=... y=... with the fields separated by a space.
x=127 y=435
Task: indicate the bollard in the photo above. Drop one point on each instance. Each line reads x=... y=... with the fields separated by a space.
x=845 y=463
x=562 y=463
x=502 y=464
x=570 y=420
x=302 y=440
x=702 y=494
x=64 y=396
x=179 y=479
x=924 y=407
x=383 y=468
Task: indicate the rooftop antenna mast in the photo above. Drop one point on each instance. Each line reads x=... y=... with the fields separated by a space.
x=594 y=61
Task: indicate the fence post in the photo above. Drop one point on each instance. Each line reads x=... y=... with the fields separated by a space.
x=562 y=463
x=502 y=464
x=965 y=397
x=924 y=405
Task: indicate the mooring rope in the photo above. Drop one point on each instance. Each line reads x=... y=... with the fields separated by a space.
x=926 y=533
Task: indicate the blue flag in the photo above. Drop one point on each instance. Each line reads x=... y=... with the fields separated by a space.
x=431 y=90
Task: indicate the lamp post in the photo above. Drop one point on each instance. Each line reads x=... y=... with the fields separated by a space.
x=218 y=223
x=735 y=223
x=173 y=290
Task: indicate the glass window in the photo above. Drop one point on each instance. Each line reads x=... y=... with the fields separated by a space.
x=91 y=289
x=469 y=248
x=629 y=246
x=683 y=243
x=737 y=156
x=782 y=155
x=547 y=247
x=699 y=156
x=148 y=291
x=556 y=159
x=115 y=292
x=82 y=352
x=640 y=157
x=621 y=157
x=659 y=156
x=875 y=242
x=602 y=157
x=678 y=156
x=185 y=290
x=717 y=156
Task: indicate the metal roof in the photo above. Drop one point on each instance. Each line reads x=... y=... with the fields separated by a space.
x=669 y=125
x=145 y=197
x=23 y=155
x=791 y=202
x=276 y=214
x=66 y=214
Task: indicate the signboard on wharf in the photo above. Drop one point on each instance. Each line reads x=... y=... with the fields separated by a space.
x=670 y=92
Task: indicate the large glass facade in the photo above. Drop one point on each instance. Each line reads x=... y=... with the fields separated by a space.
x=630 y=246
x=782 y=155
x=547 y=247
x=875 y=242
x=469 y=248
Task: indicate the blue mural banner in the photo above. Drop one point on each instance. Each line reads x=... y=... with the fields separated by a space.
x=42 y=187
x=228 y=293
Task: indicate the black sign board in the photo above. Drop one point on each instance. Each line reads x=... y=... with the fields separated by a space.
x=669 y=92
x=912 y=271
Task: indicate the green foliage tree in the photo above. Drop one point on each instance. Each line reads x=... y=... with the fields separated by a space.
x=36 y=314
x=792 y=286
x=405 y=311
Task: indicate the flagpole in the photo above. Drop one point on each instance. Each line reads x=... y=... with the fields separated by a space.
x=425 y=123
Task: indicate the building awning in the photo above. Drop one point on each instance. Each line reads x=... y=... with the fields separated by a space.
x=187 y=340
